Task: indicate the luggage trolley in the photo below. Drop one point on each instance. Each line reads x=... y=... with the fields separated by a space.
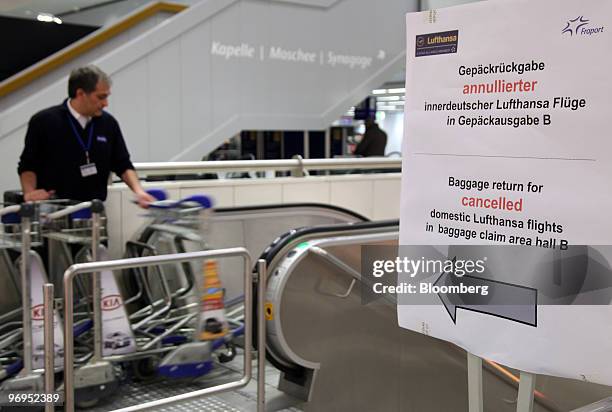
x=176 y=314
x=167 y=337
x=75 y=234
x=21 y=322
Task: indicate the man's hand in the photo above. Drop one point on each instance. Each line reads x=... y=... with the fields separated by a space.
x=144 y=199
x=130 y=178
x=38 y=194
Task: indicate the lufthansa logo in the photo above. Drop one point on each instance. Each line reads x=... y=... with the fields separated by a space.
x=430 y=44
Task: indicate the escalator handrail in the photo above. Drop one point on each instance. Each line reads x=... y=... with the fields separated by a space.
x=293 y=205
x=292 y=237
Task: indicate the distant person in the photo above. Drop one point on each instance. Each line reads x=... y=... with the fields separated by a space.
x=373 y=142
x=70 y=149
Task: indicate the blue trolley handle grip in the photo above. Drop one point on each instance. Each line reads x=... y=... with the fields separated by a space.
x=202 y=200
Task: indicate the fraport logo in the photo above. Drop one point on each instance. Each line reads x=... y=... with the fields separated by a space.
x=580 y=26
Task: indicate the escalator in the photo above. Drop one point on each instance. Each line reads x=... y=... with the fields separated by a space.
x=339 y=351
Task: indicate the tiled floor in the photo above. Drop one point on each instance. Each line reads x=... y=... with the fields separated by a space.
x=242 y=400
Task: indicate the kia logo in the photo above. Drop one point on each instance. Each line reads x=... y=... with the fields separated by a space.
x=111 y=302
x=38 y=312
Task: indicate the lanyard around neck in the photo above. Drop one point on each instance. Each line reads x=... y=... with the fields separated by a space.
x=78 y=136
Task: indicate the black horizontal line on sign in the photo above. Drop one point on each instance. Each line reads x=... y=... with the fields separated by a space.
x=436 y=45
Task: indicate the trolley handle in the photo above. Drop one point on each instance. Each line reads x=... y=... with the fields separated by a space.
x=201 y=201
x=10 y=209
x=85 y=209
x=13 y=214
x=163 y=202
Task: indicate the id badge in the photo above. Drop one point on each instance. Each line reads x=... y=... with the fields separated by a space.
x=88 y=169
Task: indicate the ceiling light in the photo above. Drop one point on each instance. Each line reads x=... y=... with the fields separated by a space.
x=398 y=90
x=379 y=91
x=387 y=98
x=48 y=18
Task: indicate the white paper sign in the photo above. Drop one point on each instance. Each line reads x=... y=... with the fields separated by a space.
x=507 y=141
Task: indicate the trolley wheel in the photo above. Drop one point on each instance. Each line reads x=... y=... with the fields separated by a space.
x=85 y=404
x=229 y=355
x=145 y=369
x=88 y=396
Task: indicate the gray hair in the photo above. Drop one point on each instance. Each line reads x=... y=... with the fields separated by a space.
x=86 y=78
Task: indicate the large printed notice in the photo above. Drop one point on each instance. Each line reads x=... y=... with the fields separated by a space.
x=508 y=142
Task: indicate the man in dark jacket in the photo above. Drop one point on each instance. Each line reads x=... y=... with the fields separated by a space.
x=70 y=149
x=373 y=142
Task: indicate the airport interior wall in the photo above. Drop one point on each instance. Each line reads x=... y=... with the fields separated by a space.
x=184 y=86
x=375 y=196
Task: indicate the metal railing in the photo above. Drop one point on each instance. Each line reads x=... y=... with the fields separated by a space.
x=88 y=268
x=49 y=311
x=296 y=166
x=262 y=276
x=27 y=213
